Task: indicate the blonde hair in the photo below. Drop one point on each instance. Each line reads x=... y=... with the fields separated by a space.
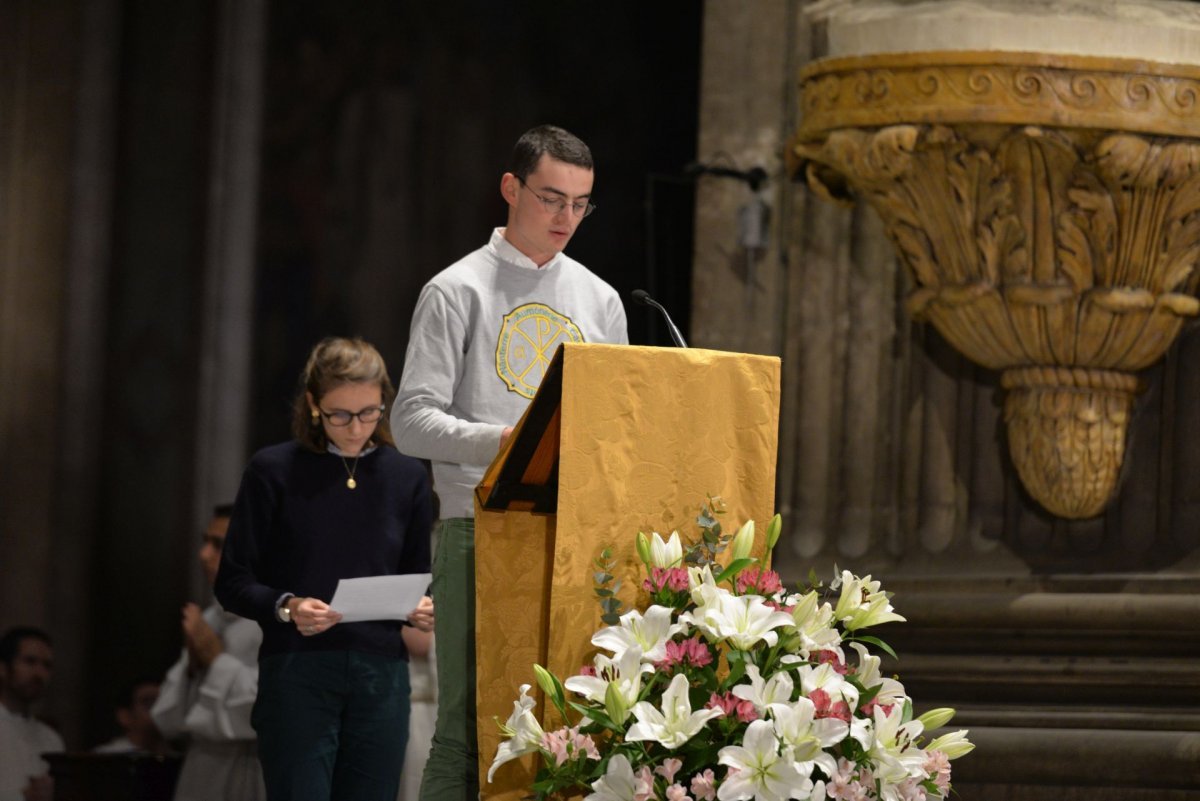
x=333 y=362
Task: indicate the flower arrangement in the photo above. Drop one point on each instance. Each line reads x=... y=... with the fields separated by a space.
x=729 y=686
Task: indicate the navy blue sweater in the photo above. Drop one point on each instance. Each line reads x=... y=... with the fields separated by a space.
x=298 y=528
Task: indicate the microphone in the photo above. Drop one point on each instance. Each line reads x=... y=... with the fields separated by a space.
x=643 y=297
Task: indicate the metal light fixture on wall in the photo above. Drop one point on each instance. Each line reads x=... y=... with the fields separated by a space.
x=1048 y=208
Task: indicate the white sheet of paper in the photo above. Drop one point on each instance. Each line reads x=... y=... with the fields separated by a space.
x=379 y=597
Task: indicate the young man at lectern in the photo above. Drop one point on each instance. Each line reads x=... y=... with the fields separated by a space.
x=483 y=332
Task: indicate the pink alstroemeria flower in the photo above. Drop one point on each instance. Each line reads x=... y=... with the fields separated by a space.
x=937 y=765
x=825 y=709
x=831 y=658
x=643 y=784
x=732 y=706
x=758 y=581
x=676 y=792
x=567 y=744
x=674 y=579
x=669 y=768
x=868 y=709
x=704 y=786
x=691 y=652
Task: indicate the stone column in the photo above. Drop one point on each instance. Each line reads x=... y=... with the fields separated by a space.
x=737 y=292
x=81 y=370
x=1049 y=635
x=227 y=311
x=39 y=61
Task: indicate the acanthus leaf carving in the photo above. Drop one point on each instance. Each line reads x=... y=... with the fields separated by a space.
x=1088 y=233
x=1045 y=239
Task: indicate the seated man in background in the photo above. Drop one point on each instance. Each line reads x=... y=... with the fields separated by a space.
x=209 y=693
x=141 y=735
x=26 y=662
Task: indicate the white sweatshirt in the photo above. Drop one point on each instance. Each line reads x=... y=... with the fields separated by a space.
x=482 y=335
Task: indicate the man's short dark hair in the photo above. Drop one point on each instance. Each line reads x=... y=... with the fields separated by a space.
x=550 y=140
x=127 y=693
x=10 y=643
x=223 y=510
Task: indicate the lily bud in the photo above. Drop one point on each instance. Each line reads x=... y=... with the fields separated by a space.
x=743 y=541
x=953 y=745
x=773 y=531
x=614 y=704
x=936 y=718
x=643 y=549
x=549 y=685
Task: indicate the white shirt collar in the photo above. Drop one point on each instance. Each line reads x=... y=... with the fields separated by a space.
x=337 y=451
x=508 y=252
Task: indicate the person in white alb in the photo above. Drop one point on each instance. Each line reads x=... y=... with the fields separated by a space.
x=207 y=695
x=26 y=663
x=482 y=334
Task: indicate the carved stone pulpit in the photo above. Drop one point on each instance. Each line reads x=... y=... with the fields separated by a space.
x=1046 y=205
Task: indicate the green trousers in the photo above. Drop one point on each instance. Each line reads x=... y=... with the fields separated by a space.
x=452 y=772
x=331 y=725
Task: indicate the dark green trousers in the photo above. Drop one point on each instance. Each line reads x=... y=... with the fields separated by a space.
x=331 y=725
x=452 y=772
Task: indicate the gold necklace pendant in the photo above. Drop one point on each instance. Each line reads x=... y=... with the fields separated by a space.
x=350 y=482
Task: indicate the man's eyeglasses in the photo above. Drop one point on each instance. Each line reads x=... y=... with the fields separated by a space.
x=555 y=205
x=340 y=418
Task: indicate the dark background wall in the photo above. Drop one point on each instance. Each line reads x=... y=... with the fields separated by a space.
x=385 y=130
x=388 y=127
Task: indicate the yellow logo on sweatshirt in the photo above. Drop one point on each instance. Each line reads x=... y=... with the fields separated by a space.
x=529 y=336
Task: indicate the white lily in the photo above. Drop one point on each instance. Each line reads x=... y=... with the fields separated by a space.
x=824 y=677
x=700 y=577
x=762 y=693
x=869 y=675
x=758 y=770
x=650 y=632
x=617 y=783
x=796 y=726
x=668 y=553
x=893 y=748
x=624 y=674
x=676 y=723
x=814 y=623
x=523 y=730
x=862 y=604
x=743 y=621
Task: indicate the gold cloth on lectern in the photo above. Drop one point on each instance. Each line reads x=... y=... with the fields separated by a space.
x=619 y=439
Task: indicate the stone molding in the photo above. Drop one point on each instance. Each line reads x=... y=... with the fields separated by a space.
x=1002 y=88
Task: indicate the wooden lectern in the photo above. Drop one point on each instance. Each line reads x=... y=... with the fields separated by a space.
x=617 y=440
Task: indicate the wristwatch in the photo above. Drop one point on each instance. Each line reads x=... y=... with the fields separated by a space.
x=282 y=613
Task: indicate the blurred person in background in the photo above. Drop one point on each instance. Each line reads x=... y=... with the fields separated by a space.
x=139 y=733
x=26 y=664
x=207 y=695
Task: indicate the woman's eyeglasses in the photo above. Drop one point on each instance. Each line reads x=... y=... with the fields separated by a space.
x=340 y=418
